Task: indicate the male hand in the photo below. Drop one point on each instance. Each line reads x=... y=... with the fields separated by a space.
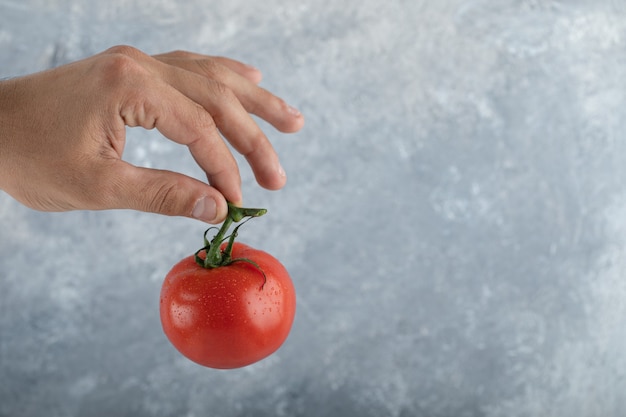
x=63 y=131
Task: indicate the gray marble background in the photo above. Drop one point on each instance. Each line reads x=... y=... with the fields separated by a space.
x=454 y=221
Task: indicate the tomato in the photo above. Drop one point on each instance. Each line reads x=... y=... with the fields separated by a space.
x=228 y=316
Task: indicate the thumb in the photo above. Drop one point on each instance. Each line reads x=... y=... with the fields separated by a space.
x=168 y=193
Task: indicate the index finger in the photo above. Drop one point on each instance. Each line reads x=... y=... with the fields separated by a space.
x=186 y=122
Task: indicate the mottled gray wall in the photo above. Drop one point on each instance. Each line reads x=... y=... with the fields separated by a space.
x=454 y=222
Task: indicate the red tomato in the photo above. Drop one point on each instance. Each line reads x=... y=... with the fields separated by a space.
x=229 y=316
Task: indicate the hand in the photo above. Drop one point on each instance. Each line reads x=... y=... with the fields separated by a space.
x=63 y=131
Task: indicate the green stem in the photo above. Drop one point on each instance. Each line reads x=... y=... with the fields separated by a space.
x=214 y=255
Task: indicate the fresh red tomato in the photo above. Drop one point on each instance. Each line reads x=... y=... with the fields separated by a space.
x=229 y=316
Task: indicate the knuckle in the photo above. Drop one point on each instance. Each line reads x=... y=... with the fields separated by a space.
x=277 y=104
x=221 y=90
x=224 y=100
x=210 y=68
x=125 y=83
x=179 y=53
x=137 y=111
x=162 y=197
x=264 y=102
x=257 y=105
x=126 y=50
x=120 y=69
x=202 y=125
x=256 y=144
x=204 y=121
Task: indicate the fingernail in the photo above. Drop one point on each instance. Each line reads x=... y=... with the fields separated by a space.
x=281 y=171
x=293 y=111
x=205 y=209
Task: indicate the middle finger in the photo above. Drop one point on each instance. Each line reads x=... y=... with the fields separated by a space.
x=232 y=120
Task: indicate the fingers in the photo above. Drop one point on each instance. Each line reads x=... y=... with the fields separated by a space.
x=163 y=192
x=228 y=97
x=193 y=100
x=242 y=80
x=152 y=103
x=234 y=123
x=215 y=95
x=248 y=71
x=189 y=60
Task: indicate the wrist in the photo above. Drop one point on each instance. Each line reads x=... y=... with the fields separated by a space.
x=8 y=109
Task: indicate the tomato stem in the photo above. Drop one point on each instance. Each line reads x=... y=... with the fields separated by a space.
x=214 y=255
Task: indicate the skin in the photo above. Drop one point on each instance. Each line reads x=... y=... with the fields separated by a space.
x=63 y=132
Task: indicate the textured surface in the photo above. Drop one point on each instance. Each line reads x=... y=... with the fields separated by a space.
x=454 y=222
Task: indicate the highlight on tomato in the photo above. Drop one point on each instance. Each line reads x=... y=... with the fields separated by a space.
x=228 y=305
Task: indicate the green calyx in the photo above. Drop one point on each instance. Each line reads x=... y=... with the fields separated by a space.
x=214 y=255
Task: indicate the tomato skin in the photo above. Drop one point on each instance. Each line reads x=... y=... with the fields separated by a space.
x=230 y=316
